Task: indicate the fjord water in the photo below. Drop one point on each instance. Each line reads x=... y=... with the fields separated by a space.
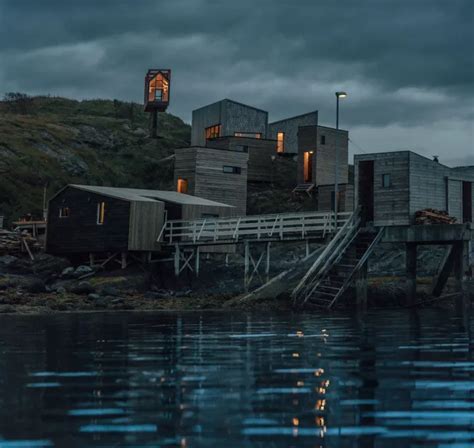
x=228 y=379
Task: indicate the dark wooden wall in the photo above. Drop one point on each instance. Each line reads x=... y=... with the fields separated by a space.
x=79 y=233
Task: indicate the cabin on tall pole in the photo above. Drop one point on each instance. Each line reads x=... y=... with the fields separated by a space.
x=157 y=95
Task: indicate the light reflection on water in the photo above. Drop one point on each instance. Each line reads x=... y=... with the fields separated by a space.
x=387 y=379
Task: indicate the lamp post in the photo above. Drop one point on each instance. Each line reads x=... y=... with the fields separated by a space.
x=336 y=184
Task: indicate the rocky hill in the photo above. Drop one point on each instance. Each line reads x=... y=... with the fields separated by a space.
x=46 y=141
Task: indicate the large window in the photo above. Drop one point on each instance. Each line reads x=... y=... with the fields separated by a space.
x=231 y=169
x=213 y=131
x=182 y=185
x=158 y=89
x=100 y=213
x=280 y=142
x=248 y=134
x=64 y=212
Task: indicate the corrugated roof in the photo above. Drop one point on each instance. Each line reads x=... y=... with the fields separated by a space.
x=136 y=194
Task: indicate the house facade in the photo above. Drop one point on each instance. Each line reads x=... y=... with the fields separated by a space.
x=213 y=173
x=391 y=187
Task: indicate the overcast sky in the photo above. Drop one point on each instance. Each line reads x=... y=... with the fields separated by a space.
x=407 y=65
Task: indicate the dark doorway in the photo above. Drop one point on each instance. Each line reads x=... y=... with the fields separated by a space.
x=173 y=211
x=308 y=166
x=467 y=202
x=366 y=189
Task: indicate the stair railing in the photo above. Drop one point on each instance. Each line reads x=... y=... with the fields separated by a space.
x=331 y=251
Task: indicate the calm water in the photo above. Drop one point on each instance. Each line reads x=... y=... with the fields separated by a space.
x=392 y=379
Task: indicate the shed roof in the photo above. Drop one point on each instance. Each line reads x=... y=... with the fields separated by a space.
x=140 y=195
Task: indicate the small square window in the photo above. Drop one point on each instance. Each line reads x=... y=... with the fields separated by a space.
x=386 y=181
x=323 y=139
x=232 y=169
x=64 y=212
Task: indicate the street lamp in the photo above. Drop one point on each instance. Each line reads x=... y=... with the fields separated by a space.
x=336 y=185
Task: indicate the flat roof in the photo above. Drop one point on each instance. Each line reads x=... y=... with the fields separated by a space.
x=141 y=195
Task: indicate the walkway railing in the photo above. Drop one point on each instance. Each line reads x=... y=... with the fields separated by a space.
x=277 y=227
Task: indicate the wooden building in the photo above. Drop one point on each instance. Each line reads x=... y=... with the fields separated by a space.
x=216 y=174
x=392 y=186
x=261 y=154
x=227 y=118
x=286 y=131
x=91 y=219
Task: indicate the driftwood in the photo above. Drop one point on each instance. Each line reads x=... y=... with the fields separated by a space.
x=432 y=216
x=13 y=243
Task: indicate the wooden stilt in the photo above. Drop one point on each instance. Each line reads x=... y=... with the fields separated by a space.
x=246 y=264
x=123 y=258
x=177 y=256
x=91 y=260
x=196 y=260
x=361 y=286
x=410 y=273
x=267 y=265
x=459 y=270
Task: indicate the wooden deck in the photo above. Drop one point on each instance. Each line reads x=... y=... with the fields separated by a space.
x=262 y=228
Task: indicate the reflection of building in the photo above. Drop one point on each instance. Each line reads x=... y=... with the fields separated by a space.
x=392 y=186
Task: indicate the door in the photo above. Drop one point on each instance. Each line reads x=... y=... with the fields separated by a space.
x=467 y=202
x=308 y=167
x=366 y=190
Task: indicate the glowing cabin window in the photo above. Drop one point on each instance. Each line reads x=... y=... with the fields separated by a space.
x=280 y=142
x=213 y=131
x=248 y=134
x=158 y=89
x=64 y=212
x=182 y=185
x=100 y=213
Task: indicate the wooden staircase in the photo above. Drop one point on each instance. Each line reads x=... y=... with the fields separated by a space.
x=334 y=271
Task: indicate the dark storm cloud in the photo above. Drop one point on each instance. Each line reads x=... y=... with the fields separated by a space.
x=404 y=62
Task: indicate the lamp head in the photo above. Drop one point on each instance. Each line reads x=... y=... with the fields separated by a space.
x=341 y=94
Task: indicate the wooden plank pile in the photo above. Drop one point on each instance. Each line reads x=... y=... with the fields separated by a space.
x=431 y=216
x=13 y=243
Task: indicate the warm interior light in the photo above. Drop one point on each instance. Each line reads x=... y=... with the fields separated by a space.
x=182 y=185
x=280 y=142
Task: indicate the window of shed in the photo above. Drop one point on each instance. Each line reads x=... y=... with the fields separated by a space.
x=248 y=134
x=386 y=181
x=100 y=213
x=213 y=131
x=323 y=139
x=64 y=212
x=231 y=169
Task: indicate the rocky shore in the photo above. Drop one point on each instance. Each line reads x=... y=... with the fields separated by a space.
x=50 y=284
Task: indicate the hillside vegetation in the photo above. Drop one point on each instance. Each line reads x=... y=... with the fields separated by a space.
x=46 y=141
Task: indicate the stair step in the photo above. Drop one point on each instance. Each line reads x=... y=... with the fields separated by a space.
x=329 y=287
x=348 y=266
x=325 y=293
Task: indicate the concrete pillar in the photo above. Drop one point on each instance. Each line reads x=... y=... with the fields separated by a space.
x=410 y=285
x=361 y=286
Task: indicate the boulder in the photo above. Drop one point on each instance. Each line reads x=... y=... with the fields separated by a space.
x=94 y=297
x=67 y=272
x=82 y=288
x=82 y=270
x=34 y=285
x=109 y=291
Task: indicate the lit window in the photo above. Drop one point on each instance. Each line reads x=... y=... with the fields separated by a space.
x=64 y=212
x=158 y=89
x=323 y=139
x=100 y=213
x=386 y=181
x=231 y=169
x=213 y=131
x=248 y=134
x=182 y=185
x=280 y=142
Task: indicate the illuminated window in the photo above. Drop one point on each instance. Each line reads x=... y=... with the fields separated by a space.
x=323 y=139
x=281 y=142
x=182 y=185
x=231 y=169
x=386 y=181
x=100 y=213
x=64 y=212
x=213 y=131
x=248 y=134
x=158 y=89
